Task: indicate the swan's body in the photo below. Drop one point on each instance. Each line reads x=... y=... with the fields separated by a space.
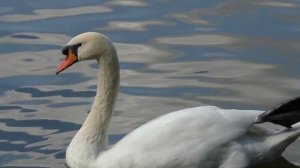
x=206 y=137
x=202 y=136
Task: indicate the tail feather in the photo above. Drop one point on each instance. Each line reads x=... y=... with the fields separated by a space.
x=285 y=114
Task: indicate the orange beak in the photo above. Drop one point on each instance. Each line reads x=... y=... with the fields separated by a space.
x=70 y=59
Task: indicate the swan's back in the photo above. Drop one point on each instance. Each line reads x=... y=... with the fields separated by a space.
x=184 y=138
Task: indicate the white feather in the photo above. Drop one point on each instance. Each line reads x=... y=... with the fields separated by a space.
x=206 y=137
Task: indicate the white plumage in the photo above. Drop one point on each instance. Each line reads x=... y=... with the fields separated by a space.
x=206 y=137
x=186 y=138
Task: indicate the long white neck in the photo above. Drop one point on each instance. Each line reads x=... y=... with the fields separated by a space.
x=95 y=126
x=90 y=140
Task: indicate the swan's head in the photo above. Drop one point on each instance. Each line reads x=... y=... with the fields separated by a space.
x=85 y=46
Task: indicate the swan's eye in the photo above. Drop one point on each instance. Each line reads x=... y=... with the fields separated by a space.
x=77 y=51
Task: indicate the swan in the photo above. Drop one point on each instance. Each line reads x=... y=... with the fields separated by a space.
x=206 y=137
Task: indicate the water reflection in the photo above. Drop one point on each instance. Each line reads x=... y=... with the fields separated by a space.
x=22 y=110
x=205 y=39
x=133 y=3
x=134 y=26
x=54 y=13
x=233 y=54
x=63 y=93
x=16 y=82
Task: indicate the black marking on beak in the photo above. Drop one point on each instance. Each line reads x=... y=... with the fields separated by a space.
x=65 y=50
x=73 y=48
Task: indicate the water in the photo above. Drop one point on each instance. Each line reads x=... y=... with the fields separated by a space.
x=173 y=55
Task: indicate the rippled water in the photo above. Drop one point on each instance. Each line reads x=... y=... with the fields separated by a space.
x=173 y=55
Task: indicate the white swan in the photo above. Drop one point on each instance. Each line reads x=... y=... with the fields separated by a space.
x=206 y=137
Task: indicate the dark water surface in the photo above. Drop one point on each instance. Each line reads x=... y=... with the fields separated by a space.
x=173 y=55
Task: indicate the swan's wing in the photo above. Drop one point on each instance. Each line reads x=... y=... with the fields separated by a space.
x=182 y=138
